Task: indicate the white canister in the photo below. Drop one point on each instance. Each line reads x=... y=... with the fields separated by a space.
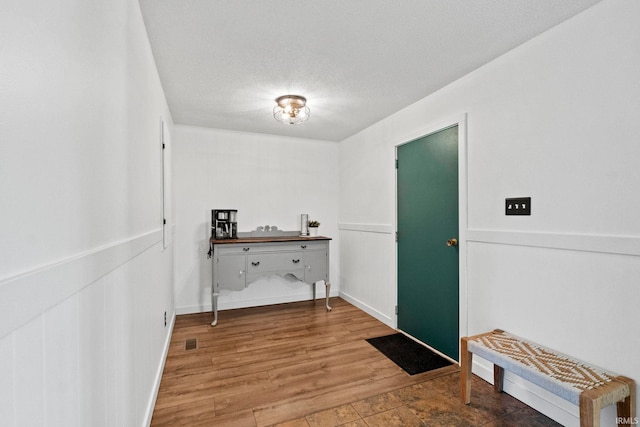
x=304 y=224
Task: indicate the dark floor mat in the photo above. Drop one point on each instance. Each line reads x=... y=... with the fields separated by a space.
x=408 y=354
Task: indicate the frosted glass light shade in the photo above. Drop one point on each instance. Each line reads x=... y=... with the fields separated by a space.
x=291 y=109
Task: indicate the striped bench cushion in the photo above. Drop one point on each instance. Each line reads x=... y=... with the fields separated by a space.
x=553 y=371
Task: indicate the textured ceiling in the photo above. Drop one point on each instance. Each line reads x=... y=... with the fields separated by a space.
x=223 y=63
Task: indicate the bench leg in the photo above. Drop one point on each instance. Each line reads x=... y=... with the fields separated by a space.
x=589 y=412
x=627 y=407
x=498 y=378
x=591 y=401
x=466 y=359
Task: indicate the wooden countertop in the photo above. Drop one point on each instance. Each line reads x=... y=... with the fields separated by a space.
x=267 y=239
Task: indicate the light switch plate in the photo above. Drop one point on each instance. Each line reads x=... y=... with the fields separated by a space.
x=518 y=206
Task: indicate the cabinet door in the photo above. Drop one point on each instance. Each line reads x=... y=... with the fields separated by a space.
x=315 y=263
x=231 y=272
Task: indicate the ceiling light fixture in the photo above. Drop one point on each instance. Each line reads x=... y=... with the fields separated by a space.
x=291 y=109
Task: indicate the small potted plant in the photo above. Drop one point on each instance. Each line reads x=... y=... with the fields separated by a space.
x=313 y=228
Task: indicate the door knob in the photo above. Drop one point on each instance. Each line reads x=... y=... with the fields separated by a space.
x=452 y=242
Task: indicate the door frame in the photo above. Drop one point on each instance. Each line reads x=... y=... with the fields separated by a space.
x=436 y=126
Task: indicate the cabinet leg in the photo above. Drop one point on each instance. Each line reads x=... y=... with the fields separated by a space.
x=214 y=303
x=327 y=285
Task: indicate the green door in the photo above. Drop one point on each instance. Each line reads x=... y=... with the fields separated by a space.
x=427 y=204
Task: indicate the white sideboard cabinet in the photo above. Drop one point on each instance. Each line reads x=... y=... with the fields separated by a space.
x=239 y=262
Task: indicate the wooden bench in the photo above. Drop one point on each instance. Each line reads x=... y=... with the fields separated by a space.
x=589 y=387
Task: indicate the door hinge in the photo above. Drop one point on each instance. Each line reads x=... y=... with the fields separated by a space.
x=396 y=310
x=396 y=237
x=396 y=163
x=164 y=221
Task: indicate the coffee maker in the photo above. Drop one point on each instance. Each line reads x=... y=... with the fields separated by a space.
x=224 y=224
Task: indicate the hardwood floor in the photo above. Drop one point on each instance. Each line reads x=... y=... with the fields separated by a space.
x=298 y=365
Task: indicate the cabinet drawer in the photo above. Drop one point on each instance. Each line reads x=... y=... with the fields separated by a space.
x=278 y=247
x=274 y=262
x=314 y=246
x=230 y=249
x=236 y=248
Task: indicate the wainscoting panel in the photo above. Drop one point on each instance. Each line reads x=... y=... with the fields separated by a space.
x=7 y=373
x=570 y=293
x=95 y=357
x=61 y=357
x=368 y=269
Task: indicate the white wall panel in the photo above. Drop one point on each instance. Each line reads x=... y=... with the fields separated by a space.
x=61 y=374
x=145 y=323
x=125 y=327
x=7 y=373
x=79 y=92
x=367 y=267
x=92 y=321
x=531 y=290
x=29 y=385
x=113 y=384
x=367 y=173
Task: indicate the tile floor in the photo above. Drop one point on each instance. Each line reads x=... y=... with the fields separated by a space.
x=431 y=403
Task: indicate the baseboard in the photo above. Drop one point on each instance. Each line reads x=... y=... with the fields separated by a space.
x=158 y=378
x=539 y=399
x=193 y=309
x=369 y=310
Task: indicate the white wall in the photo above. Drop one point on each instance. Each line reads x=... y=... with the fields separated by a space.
x=84 y=278
x=555 y=119
x=270 y=180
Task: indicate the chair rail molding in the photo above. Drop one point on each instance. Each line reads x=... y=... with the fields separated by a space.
x=367 y=228
x=620 y=245
x=29 y=294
